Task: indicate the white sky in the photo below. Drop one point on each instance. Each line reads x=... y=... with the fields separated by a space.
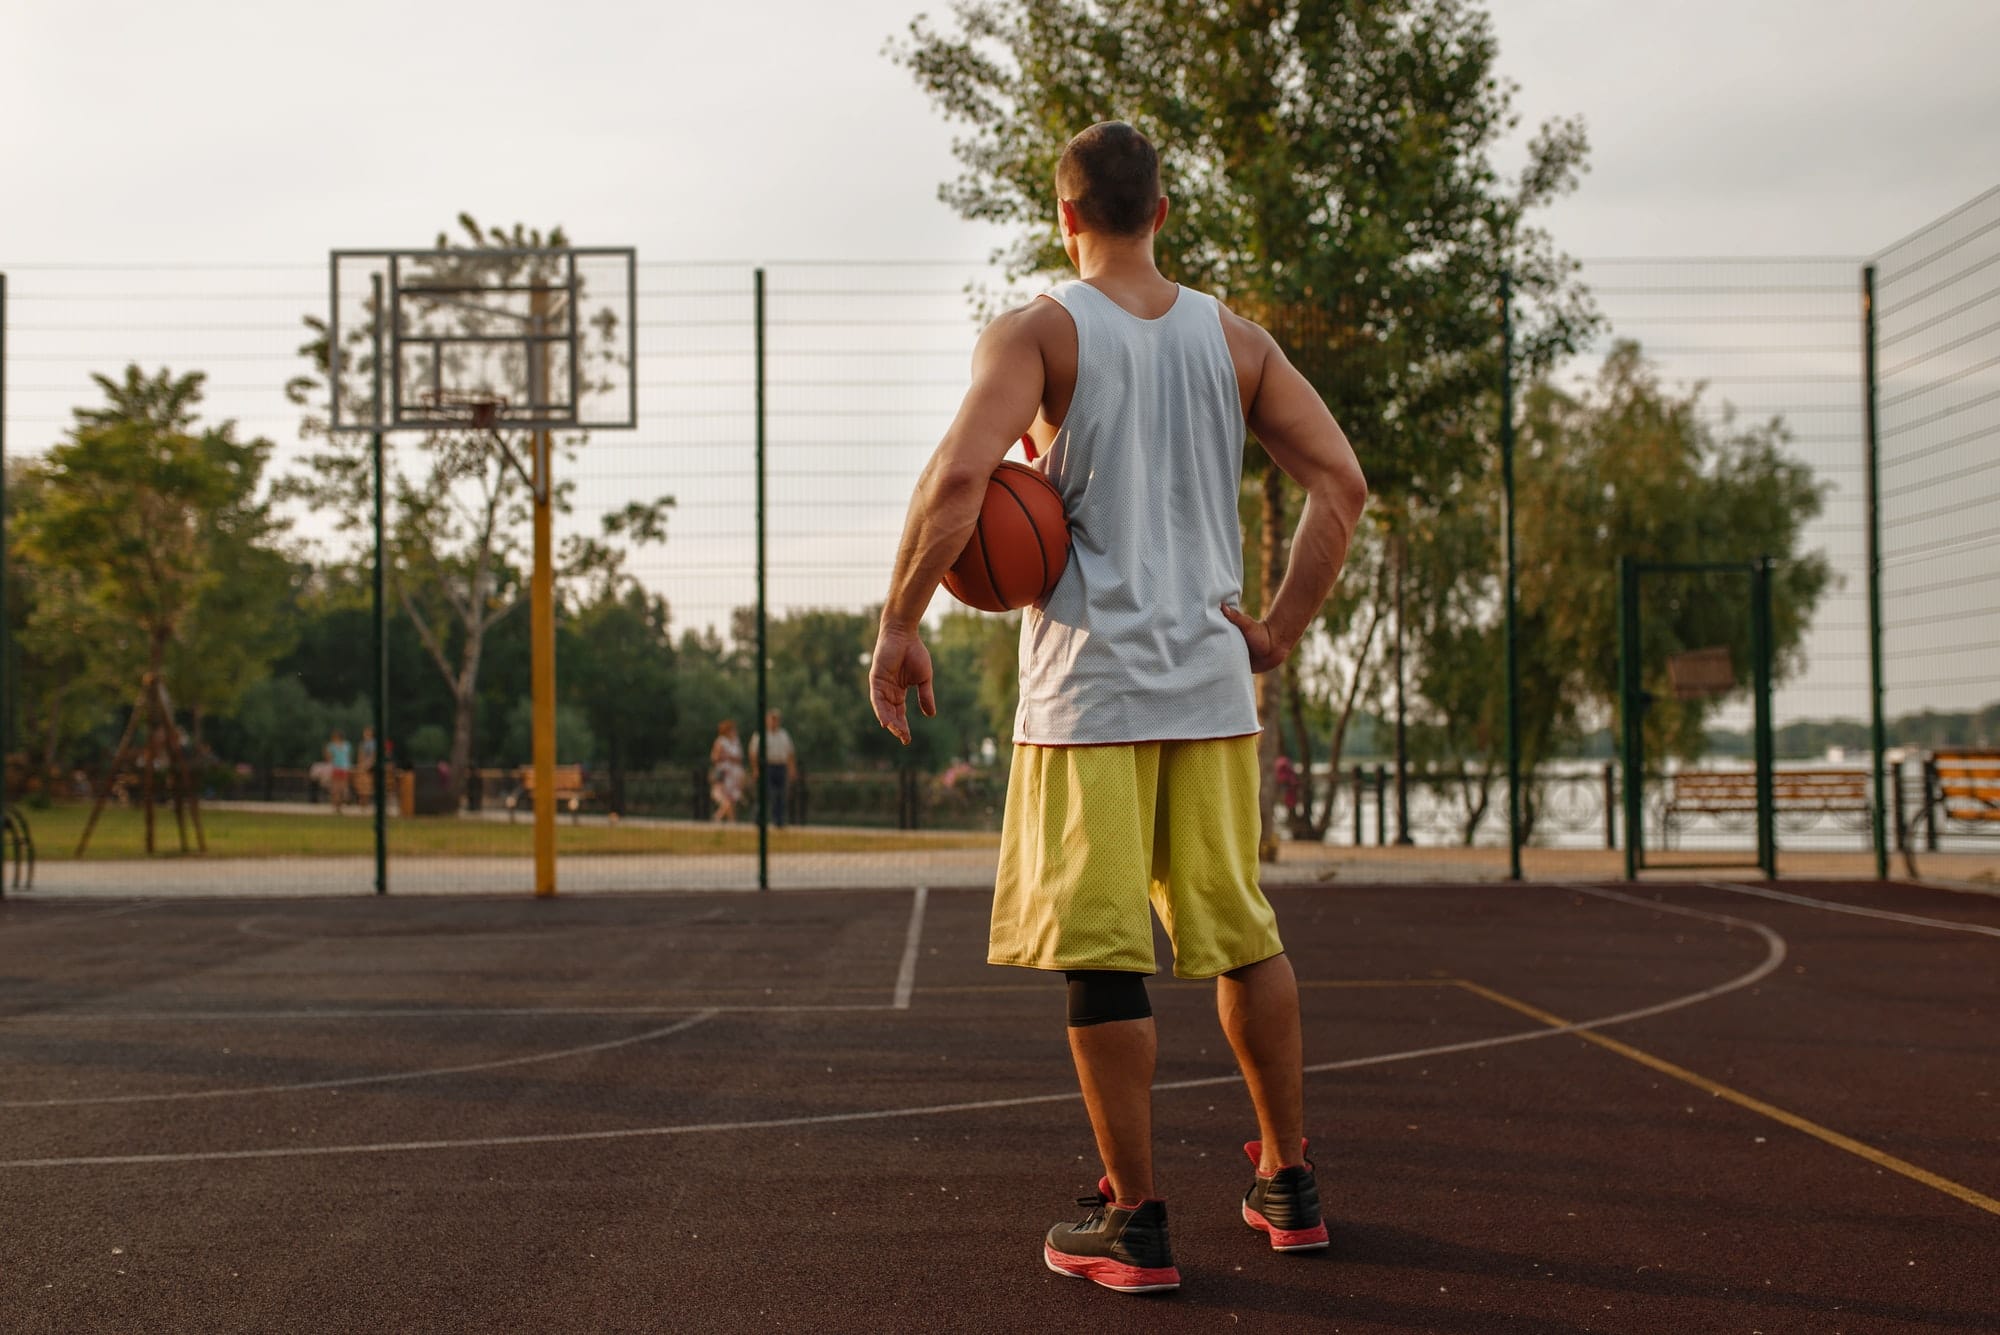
x=267 y=130
x=268 y=133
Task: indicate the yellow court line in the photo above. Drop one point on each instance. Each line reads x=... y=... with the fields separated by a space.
x=1879 y=1158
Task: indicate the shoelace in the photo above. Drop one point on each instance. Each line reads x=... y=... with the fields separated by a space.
x=1095 y=1202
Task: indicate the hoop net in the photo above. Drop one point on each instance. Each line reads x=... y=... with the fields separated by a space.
x=479 y=411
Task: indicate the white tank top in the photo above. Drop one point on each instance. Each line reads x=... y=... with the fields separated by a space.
x=1132 y=646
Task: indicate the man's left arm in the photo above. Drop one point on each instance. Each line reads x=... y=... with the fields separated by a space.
x=999 y=405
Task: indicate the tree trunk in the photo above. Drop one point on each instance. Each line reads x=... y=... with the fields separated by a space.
x=617 y=765
x=1324 y=820
x=52 y=738
x=1303 y=826
x=465 y=701
x=1270 y=685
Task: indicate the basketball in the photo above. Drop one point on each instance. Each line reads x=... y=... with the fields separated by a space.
x=1019 y=546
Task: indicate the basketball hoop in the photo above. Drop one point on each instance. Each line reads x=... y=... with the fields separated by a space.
x=1698 y=674
x=482 y=412
x=483 y=338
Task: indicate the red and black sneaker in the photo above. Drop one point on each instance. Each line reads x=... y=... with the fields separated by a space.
x=1122 y=1247
x=1285 y=1205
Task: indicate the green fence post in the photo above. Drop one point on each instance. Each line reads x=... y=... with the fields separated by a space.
x=1513 y=628
x=379 y=626
x=1760 y=649
x=763 y=650
x=1631 y=750
x=1878 y=732
x=6 y=638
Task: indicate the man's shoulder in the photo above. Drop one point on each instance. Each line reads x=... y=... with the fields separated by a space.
x=1036 y=319
x=1250 y=347
x=1242 y=329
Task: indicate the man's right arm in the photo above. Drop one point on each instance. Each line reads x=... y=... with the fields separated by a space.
x=1291 y=421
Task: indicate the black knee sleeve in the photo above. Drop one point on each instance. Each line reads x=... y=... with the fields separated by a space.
x=1099 y=996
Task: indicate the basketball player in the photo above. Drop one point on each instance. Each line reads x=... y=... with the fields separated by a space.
x=1135 y=772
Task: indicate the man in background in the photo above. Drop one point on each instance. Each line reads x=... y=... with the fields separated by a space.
x=783 y=767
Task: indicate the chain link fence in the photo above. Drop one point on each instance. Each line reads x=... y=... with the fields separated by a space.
x=863 y=365
x=1936 y=402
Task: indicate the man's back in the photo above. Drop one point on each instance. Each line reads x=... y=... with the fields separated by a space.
x=1132 y=644
x=1146 y=296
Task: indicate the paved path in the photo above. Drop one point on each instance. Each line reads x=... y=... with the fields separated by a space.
x=940 y=868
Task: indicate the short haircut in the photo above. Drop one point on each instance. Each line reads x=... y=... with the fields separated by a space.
x=1112 y=175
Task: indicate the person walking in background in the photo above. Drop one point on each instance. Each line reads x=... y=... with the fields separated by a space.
x=364 y=766
x=1286 y=776
x=339 y=770
x=772 y=752
x=1135 y=771
x=725 y=771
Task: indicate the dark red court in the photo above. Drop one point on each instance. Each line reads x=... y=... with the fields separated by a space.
x=821 y=1111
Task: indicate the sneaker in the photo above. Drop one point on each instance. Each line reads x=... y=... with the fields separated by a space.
x=1121 y=1247
x=1285 y=1205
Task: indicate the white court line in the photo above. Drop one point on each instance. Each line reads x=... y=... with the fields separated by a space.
x=439 y=1013
x=906 y=972
x=1774 y=956
x=347 y=1082
x=1835 y=906
x=906 y=978
x=65 y=919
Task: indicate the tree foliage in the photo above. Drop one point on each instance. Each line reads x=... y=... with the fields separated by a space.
x=1333 y=174
x=1332 y=170
x=149 y=547
x=1621 y=466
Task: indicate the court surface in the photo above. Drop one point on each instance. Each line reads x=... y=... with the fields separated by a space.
x=821 y=1111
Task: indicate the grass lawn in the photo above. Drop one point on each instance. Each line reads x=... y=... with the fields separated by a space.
x=121 y=833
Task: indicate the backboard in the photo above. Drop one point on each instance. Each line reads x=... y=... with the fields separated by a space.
x=529 y=340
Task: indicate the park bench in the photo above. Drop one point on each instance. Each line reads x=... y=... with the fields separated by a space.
x=1733 y=792
x=571 y=790
x=1962 y=784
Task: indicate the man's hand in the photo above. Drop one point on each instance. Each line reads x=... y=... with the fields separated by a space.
x=1266 y=649
x=900 y=662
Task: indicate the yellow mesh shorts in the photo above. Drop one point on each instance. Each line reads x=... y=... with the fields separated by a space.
x=1092 y=833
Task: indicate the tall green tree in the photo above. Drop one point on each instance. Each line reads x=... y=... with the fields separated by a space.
x=156 y=546
x=1621 y=466
x=458 y=510
x=1333 y=175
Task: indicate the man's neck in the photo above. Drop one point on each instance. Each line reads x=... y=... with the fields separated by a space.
x=1116 y=260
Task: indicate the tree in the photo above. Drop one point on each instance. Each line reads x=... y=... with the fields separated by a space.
x=65 y=682
x=457 y=508
x=1333 y=177
x=984 y=651
x=163 y=543
x=619 y=672
x=1622 y=466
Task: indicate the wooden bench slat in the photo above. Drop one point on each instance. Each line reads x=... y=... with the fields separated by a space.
x=1968 y=783
x=1720 y=791
x=570 y=788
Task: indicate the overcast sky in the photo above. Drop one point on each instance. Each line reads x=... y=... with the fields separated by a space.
x=274 y=130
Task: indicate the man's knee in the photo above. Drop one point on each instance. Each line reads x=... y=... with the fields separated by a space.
x=1101 y=996
x=1244 y=973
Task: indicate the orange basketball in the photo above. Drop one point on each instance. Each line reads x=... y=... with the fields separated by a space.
x=1019 y=546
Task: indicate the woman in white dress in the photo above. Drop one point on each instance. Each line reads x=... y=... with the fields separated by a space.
x=725 y=771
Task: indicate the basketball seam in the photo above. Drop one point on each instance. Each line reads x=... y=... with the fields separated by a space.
x=1040 y=551
x=986 y=559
